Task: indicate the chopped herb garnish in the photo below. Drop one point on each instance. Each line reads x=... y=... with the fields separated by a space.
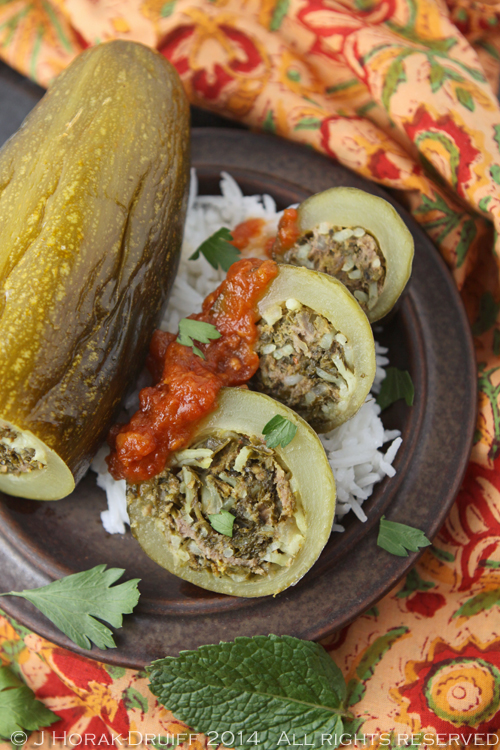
x=222 y=522
x=279 y=431
x=218 y=250
x=72 y=604
x=257 y=691
x=20 y=712
x=396 y=384
x=397 y=538
x=197 y=330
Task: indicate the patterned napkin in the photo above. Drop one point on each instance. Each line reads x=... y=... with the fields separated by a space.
x=404 y=93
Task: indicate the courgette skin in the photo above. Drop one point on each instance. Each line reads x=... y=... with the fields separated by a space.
x=93 y=195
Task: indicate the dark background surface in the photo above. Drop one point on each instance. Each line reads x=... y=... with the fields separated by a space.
x=18 y=95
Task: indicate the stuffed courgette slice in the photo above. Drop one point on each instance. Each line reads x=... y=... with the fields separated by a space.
x=360 y=239
x=316 y=347
x=93 y=194
x=282 y=501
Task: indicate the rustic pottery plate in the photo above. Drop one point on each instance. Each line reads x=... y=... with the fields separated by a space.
x=429 y=335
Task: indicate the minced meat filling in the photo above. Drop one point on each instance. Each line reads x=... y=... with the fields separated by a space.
x=352 y=255
x=303 y=363
x=16 y=459
x=237 y=474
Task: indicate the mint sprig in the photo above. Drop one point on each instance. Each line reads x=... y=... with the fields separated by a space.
x=398 y=538
x=222 y=522
x=19 y=709
x=196 y=330
x=218 y=250
x=396 y=384
x=268 y=685
x=279 y=431
x=72 y=604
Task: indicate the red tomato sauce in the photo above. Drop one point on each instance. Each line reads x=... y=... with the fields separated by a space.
x=247 y=231
x=288 y=231
x=188 y=385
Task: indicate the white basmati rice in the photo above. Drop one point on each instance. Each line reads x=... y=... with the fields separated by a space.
x=355 y=450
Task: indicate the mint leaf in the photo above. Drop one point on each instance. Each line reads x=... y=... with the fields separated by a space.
x=197 y=330
x=396 y=384
x=222 y=522
x=73 y=602
x=397 y=538
x=279 y=431
x=19 y=709
x=218 y=250
x=263 y=686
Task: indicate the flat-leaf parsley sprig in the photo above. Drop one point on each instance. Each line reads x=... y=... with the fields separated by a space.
x=279 y=431
x=196 y=330
x=222 y=522
x=398 y=538
x=218 y=250
x=263 y=687
x=20 y=711
x=72 y=604
x=397 y=384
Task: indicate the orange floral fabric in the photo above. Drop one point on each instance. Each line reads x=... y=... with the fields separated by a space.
x=404 y=93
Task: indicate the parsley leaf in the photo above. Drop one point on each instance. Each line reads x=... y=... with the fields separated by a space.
x=279 y=431
x=397 y=538
x=222 y=522
x=396 y=384
x=218 y=250
x=262 y=687
x=73 y=602
x=197 y=330
x=19 y=709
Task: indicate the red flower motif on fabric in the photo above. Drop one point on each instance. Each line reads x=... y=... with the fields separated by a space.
x=382 y=167
x=448 y=137
x=474 y=527
x=425 y=603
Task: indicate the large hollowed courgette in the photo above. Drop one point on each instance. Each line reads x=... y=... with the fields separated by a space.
x=93 y=192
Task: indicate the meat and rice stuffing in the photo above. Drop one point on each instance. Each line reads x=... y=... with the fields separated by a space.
x=16 y=456
x=352 y=255
x=236 y=473
x=303 y=362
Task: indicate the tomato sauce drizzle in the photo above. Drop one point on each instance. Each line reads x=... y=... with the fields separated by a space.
x=288 y=231
x=188 y=385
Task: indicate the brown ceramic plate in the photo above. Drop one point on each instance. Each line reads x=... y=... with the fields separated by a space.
x=428 y=335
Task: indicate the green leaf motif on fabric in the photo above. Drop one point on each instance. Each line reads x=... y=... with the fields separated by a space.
x=167 y=9
x=279 y=13
x=437 y=76
x=487 y=315
x=496 y=129
x=133 y=699
x=465 y=98
x=308 y=123
x=19 y=709
x=293 y=75
x=448 y=145
x=269 y=126
x=115 y=672
x=442 y=554
x=414 y=583
x=372 y=612
x=394 y=77
x=496 y=342
x=484 y=202
x=495 y=173
x=479 y=603
x=265 y=684
x=492 y=392
x=372 y=656
x=467 y=236
x=495 y=564
x=341 y=86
